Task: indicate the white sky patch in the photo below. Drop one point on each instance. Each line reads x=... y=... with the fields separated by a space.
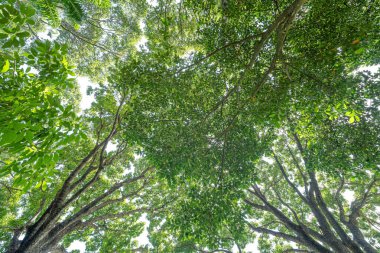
x=188 y=54
x=129 y=170
x=141 y=44
x=32 y=70
x=372 y=69
x=81 y=246
x=369 y=102
x=153 y=3
x=48 y=34
x=267 y=159
x=111 y=146
x=84 y=83
x=349 y=196
x=142 y=25
x=235 y=249
x=252 y=247
x=143 y=238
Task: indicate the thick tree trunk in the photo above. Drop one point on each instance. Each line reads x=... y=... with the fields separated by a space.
x=359 y=238
x=41 y=247
x=15 y=243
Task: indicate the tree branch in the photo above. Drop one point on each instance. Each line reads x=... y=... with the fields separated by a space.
x=359 y=203
x=263 y=208
x=277 y=234
x=304 y=178
x=67 y=28
x=290 y=183
x=286 y=16
x=347 y=242
x=294 y=227
x=212 y=53
x=296 y=250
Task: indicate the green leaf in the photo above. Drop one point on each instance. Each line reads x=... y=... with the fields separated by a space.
x=44 y=186
x=73 y=9
x=5 y=67
x=11 y=9
x=27 y=10
x=49 y=10
x=30 y=21
x=19 y=181
x=101 y=3
x=8 y=44
x=22 y=34
x=64 y=62
x=360 y=50
x=3 y=35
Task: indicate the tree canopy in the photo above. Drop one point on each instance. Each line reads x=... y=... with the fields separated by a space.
x=215 y=125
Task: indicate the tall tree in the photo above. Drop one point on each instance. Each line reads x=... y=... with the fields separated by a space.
x=218 y=86
x=294 y=201
x=95 y=190
x=48 y=190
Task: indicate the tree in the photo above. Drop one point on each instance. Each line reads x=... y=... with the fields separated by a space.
x=56 y=191
x=93 y=196
x=317 y=171
x=298 y=204
x=222 y=112
x=207 y=98
x=298 y=200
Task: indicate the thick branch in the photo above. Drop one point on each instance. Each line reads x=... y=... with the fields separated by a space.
x=292 y=11
x=257 y=206
x=277 y=234
x=297 y=250
x=56 y=206
x=292 y=226
x=358 y=204
x=87 y=209
x=352 y=221
x=336 y=226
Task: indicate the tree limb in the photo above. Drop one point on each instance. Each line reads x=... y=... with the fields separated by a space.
x=290 y=183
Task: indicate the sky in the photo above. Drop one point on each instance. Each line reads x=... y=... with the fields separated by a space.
x=84 y=83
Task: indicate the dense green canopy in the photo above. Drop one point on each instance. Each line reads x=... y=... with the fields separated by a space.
x=215 y=125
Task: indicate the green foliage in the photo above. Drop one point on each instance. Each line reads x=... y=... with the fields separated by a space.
x=74 y=10
x=37 y=110
x=101 y=3
x=218 y=86
x=14 y=20
x=49 y=10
